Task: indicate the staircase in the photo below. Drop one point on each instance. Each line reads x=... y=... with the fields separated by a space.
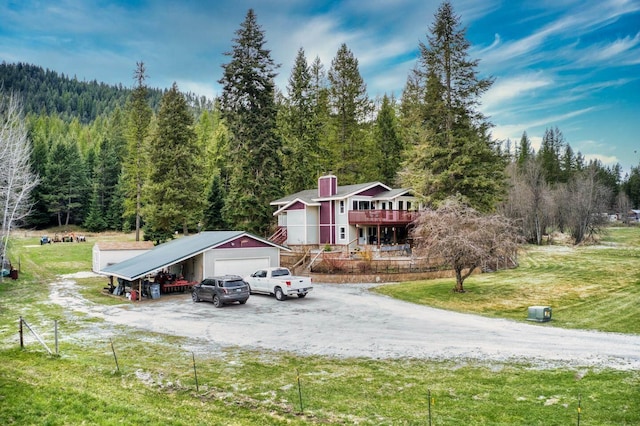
x=280 y=236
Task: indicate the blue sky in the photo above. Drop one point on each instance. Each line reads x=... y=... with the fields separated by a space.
x=571 y=64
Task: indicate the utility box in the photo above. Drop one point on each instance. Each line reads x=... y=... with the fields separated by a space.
x=539 y=313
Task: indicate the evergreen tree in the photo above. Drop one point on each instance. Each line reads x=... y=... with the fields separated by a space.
x=213 y=219
x=66 y=183
x=139 y=113
x=176 y=185
x=550 y=155
x=249 y=108
x=453 y=155
x=388 y=142
x=319 y=95
x=524 y=151
x=349 y=107
x=299 y=131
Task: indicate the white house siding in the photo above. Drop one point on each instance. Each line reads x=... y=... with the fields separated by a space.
x=313 y=219
x=239 y=261
x=102 y=258
x=296 y=226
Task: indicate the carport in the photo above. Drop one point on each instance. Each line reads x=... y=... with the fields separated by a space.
x=189 y=259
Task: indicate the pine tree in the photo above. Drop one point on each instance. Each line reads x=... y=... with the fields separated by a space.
x=135 y=165
x=550 y=154
x=524 y=151
x=176 y=185
x=213 y=219
x=249 y=108
x=388 y=142
x=299 y=131
x=350 y=106
x=453 y=154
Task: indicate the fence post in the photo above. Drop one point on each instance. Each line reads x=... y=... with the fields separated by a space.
x=21 y=335
x=114 y=356
x=299 y=390
x=195 y=373
x=55 y=332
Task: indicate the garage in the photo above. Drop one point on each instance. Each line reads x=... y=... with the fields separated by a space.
x=242 y=267
x=188 y=260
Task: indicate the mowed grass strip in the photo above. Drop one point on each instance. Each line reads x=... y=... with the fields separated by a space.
x=155 y=383
x=588 y=287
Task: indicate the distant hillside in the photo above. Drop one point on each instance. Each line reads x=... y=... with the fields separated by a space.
x=48 y=92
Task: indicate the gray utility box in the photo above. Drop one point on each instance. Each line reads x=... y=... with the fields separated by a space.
x=539 y=313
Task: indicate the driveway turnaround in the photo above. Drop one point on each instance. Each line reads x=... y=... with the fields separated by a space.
x=347 y=320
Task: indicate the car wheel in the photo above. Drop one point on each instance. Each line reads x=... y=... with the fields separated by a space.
x=195 y=297
x=279 y=294
x=242 y=302
x=217 y=302
x=301 y=295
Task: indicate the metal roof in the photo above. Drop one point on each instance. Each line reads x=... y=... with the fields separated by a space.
x=172 y=252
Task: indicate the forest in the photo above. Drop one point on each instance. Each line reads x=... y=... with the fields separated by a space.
x=159 y=161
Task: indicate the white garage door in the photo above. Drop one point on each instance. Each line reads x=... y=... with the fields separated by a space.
x=242 y=267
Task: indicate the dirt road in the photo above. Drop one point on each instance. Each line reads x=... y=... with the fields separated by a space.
x=349 y=321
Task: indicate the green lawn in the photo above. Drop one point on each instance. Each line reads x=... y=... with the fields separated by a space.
x=588 y=287
x=155 y=382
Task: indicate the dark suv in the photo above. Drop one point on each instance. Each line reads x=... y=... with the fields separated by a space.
x=221 y=290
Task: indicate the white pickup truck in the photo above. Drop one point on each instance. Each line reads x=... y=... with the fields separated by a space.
x=279 y=282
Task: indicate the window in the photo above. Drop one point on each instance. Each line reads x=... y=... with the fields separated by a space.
x=400 y=205
x=341 y=206
x=390 y=205
x=408 y=205
x=384 y=206
x=343 y=233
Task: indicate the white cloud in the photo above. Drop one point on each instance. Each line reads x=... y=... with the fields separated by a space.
x=517 y=87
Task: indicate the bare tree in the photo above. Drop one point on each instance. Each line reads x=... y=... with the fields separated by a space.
x=623 y=206
x=464 y=239
x=587 y=205
x=529 y=200
x=16 y=178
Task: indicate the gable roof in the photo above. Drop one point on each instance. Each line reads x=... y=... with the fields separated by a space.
x=311 y=197
x=394 y=193
x=175 y=251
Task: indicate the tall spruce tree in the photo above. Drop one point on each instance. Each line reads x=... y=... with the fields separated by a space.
x=388 y=142
x=453 y=153
x=249 y=108
x=175 y=193
x=321 y=114
x=299 y=131
x=135 y=167
x=350 y=107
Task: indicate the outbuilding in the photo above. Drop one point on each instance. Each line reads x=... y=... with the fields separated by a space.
x=206 y=254
x=107 y=253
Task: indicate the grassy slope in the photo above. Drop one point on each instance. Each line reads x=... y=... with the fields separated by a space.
x=155 y=382
x=590 y=287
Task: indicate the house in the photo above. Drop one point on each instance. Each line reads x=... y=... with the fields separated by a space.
x=361 y=214
x=201 y=255
x=107 y=253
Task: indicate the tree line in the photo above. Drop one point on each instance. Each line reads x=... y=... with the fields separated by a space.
x=164 y=161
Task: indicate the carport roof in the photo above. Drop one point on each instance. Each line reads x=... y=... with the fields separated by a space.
x=174 y=251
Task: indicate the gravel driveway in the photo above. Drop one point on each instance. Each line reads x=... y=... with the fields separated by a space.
x=346 y=320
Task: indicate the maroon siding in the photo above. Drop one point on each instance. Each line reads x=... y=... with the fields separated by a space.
x=327 y=221
x=296 y=206
x=327 y=186
x=244 y=242
x=372 y=192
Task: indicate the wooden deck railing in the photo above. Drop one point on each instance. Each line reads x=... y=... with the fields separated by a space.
x=381 y=217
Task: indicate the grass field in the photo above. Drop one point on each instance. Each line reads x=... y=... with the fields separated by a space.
x=588 y=287
x=154 y=382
